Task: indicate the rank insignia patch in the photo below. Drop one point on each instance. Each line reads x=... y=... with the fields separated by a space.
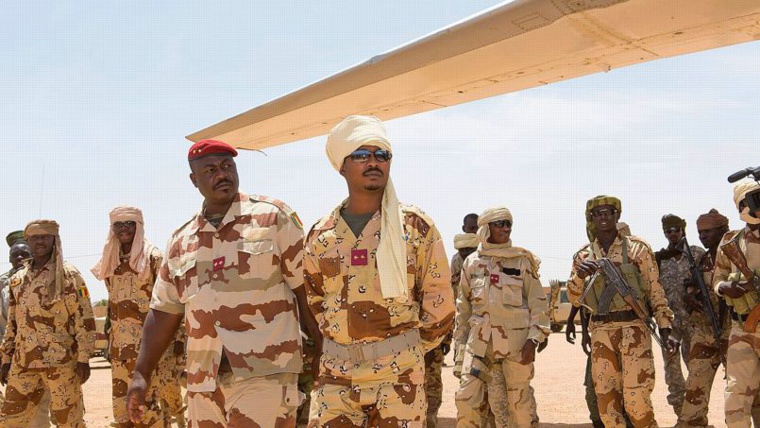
x=219 y=263
x=494 y=278
x=359 y=257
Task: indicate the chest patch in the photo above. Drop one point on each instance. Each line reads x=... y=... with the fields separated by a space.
x=219 y=263
x=494 y=278
x=511 y=271
x=359 y=257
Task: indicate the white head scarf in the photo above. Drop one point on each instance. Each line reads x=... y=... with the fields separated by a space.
x=347 y=136
x=139 y=255
x=741 y=189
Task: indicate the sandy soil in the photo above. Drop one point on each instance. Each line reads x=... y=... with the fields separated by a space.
x=558 y=384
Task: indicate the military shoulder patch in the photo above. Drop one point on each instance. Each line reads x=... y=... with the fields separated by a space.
x=83 y=292
x=15 y=280
x=296 y=220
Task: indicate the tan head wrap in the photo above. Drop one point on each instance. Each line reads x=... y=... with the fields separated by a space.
x=711 y=220
x=672 y=220
x=598 y=201
x=466 y=240
x=139 y=255
x=505 y=250
x=350 y=134
x=49 y=227
x=741 y=189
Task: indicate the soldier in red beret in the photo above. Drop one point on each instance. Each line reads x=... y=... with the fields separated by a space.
x=234 y=274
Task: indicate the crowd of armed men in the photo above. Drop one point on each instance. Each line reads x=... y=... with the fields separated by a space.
x=347 y=325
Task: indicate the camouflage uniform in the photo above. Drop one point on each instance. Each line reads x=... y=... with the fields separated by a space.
x=306 y=380
x=344 y=292
x=234 y=283
x=742 y=361
x=622 y=363
x=704 y=355
x=501 y=306
x=44 y=340
x=673 y=272
x=168 y=379
x=128 y=304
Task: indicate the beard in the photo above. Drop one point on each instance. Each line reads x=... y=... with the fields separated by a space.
x=374 y=187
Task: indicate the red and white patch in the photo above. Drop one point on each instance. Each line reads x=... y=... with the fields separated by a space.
x=219 y=263
x=494 y=278
x=359 y=257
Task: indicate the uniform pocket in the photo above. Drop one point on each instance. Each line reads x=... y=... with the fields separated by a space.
x=512 y=292
x=255 y=258
x=292 y=397
x=185 y=276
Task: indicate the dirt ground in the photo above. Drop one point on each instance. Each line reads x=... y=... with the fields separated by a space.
x=558 y=384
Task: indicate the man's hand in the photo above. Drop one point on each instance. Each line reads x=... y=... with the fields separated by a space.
x=528 y=352
x=83 y=372
x=458 y=359
x=543 y=345
x=587 y=268
x=136 y=397
x=570 y=333
x=733 y=289
x=692 y=300
x=4 y=370
x=586 y=342
x=671 y=345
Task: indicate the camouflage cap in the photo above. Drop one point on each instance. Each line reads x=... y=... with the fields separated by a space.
x=205 y=148
x=13 y=237
x=598 y=201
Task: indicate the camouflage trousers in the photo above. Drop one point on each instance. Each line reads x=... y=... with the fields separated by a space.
x=743 y=373
x=42 y=417
x=433 y=385
x=622 y=367
x=168 y=388
x=593 y=407
x=121 y=376
x=510 y=395
x=674 y=377
x=704 y=359
x=26 y=388
x=264 y=401
x=388 y=391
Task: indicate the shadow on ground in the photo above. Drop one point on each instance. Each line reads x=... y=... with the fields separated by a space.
x=452 y=423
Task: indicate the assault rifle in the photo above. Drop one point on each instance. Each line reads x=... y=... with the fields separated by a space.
x=617 y=284
x=696 y=277
x=734 y=253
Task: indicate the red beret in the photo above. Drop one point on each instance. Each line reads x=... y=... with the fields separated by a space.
x=210 y=147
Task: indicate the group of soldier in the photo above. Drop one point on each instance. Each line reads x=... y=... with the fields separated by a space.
x=360 y=312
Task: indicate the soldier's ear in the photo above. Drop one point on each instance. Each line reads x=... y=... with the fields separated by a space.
x=194 y=180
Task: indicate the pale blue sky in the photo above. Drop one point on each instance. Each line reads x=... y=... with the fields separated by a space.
x=96 y=99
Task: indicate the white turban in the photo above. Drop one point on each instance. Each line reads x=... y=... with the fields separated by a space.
x=741 y=189
x=347 y=136
x=139 y=255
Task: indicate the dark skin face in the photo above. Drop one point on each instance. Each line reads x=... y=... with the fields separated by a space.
x=605 y=218
x=125 y=234
x=19 y=252
x=42 y=248
x=710 y=238
x=674 y=236
x=366 y=177
x=216 y=178
x=470 y=225
x=499 y=235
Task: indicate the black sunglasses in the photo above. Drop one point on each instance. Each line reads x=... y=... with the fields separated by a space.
x=123 y=224
x=501 y=223
x=363 y=155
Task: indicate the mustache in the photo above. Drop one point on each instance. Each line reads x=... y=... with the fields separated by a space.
x=222 y=182
x=373 y=170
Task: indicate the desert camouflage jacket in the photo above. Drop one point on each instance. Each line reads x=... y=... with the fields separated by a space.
x=501 y=301
x=234 y=285
x=639 y=254
x=749 y=243
x=343 y=285
x=42 y=333
x=128 y=305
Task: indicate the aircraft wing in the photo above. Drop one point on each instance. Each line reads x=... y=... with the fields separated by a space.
x=508 y=48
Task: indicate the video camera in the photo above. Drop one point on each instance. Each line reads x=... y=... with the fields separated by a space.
x=753 y=198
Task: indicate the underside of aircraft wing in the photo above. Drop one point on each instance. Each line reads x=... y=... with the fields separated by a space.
x=511 y=47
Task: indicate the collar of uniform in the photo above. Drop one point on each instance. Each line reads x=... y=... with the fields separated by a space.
x=331 y=220
x=201 y=224
x=752 y=235
x=597 y=247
